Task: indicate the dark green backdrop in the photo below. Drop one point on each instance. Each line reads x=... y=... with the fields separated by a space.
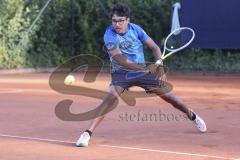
x=67 y=28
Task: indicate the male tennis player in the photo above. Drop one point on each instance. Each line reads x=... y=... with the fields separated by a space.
x=124 y=41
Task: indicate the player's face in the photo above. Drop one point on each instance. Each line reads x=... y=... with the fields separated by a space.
x=120 y=24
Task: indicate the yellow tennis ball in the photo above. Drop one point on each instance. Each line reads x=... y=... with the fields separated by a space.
x=69 y=80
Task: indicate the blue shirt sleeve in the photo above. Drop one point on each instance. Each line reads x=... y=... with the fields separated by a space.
x=142 y=35
x=110 y=39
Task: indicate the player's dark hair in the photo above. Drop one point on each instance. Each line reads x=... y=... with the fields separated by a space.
x=121 y=10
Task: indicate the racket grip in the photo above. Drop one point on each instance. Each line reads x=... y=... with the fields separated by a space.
x=159 y=62
x=146 y=71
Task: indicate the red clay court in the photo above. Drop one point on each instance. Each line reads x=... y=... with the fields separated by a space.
x=30 y=130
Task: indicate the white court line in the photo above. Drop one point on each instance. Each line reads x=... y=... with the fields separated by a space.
x=121 y=147
x=11 y=90
x=38 y=139
x=169 y=152
x=5 y=91
x=40 y=90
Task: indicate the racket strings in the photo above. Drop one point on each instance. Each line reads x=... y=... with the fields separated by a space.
x=178 y=39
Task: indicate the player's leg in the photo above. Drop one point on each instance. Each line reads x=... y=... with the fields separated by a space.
x=110 y=101
x=177 y=102
x=180 y=105
x=163 y=90
x=174 y=100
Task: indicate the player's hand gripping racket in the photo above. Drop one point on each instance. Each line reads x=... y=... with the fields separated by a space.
x=175 y=41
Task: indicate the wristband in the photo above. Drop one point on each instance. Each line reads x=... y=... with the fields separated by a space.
x=159 y=62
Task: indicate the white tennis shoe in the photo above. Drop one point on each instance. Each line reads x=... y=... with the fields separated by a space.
x=83 y=140
x=200 y=124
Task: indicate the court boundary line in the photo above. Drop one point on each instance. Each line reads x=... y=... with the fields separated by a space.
x=120 y=147
x=34 y=138
x=12 y=90
x=168 y=152
x=7 y=91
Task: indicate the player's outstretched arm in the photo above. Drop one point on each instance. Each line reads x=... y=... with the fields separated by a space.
x=122 y=60
x=154 y=48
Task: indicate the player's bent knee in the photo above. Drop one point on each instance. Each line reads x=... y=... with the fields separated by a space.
x=167 y=96
x=115 y=90
x=112 y=97
x=112 y=91
x=171 y=98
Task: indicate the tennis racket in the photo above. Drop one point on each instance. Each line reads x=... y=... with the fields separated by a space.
x=175 y=41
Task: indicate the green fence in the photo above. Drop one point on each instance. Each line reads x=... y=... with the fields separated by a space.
x=66 y=28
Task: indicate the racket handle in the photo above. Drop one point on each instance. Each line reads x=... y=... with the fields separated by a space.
x=159 y=62
x=146 y=71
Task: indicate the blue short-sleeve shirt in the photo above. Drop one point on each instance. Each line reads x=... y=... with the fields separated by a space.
x=130 y=44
